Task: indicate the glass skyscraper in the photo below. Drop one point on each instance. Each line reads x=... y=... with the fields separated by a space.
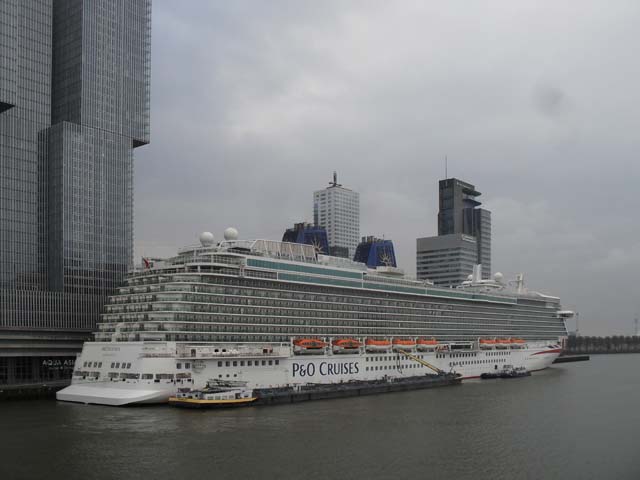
x=464 y=237
x=74 y=103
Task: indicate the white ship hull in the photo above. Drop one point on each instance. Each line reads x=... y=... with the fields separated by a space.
x=128 y=373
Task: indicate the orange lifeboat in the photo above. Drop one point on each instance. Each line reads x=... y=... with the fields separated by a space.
x=308 y=346
x=403 y=344
x=372 y=345
x=426 y=344
x=503 y=342
x=517 y=343
x=346 y=345
x=487 y=343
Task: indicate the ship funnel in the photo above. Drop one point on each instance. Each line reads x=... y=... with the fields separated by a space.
x=477 y=273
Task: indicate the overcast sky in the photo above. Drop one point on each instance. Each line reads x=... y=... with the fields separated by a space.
x=254 y=104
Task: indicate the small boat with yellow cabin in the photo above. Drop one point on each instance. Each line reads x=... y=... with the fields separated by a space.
x=217 y=394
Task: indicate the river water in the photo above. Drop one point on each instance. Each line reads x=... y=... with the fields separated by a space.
x=573 y=421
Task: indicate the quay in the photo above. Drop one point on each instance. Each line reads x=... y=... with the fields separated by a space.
x=240 y=397
x=32 y=391
x=572 y=358
x=268 y=396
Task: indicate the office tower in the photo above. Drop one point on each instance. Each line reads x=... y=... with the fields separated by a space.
x=308 y=234
x=464 y=237
x=337 y=209
x=74 y=103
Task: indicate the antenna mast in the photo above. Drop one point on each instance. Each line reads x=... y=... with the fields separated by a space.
x=335 y=180
x=446 y=174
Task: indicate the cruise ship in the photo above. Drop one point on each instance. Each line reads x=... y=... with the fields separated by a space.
x=271 y=314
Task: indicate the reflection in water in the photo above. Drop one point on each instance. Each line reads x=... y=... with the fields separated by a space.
x=575 y=421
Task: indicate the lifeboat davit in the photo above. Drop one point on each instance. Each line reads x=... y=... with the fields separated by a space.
x=346 y=345
x=503 y=342
x=403 y=344
x=517 y=343
x=372 y=345
x=487 y=343
x=308 y=346
x=426 y=344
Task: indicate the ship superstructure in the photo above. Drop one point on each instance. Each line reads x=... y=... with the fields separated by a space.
x=240 y=310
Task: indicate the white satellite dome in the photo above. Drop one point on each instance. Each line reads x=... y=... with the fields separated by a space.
x=230 y=234
x=206 y=239
x=498 y=277
x=470 y=277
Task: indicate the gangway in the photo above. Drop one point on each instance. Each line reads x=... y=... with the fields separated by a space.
x=422 y=362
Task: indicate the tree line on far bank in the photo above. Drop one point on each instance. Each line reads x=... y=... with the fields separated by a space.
x=614 y=344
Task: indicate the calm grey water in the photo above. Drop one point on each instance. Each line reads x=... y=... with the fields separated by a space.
x=574 y=421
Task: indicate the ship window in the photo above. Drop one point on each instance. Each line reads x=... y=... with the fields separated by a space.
x=147 y=376
x=128 y=365
x=227 y=363
x=264 y=362
x=113 y=364
x=270 y=362
x=235 y=364
x=242 y=363
x=118 y=365
x=219 y=364
x=249 y=363
x=277 y=362
x=178 y=366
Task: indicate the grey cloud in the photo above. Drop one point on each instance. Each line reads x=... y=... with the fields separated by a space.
x=254 y=104
x=551 y=101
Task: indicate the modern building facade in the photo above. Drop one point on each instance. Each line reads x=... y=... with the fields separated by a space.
x=74 y=103
x=337 y=209
x=464 y=237
x=446 y=260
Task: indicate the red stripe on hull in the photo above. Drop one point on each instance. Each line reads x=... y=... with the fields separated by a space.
x=555 y=350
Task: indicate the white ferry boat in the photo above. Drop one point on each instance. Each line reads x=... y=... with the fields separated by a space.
x=273 y=314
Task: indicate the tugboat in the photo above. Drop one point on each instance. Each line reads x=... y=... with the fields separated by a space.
x=515 y=372
x=217 y=394
x=508 y=371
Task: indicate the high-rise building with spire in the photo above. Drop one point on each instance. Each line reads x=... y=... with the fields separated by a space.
x=337 y=209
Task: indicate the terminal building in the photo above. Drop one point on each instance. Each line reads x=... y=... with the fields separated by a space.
x=463 y=240
x=337 y=209
x=74 y=103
